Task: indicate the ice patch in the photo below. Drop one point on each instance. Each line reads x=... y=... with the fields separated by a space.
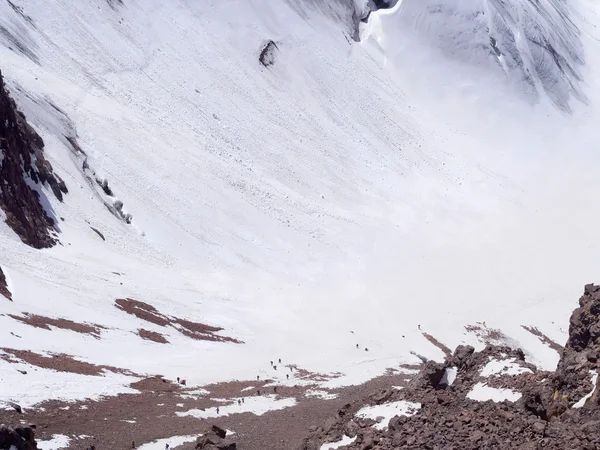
x=255 y=405
x=334 y=445
x=449 y=376
x=503 y=367
x=482 y=392
x=582 y=401
x=387 y=411
x=57 y=442
x=174 y=441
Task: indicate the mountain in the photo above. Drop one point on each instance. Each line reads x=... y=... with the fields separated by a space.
x=196 y=189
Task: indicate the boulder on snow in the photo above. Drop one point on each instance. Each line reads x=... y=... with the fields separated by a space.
x=267 y=54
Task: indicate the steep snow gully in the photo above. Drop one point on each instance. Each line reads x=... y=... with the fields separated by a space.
x=397 y=168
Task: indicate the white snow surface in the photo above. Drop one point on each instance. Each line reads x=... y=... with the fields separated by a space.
x=508 y=366
x=584 y=399
x=257 y=405
x=449 y=377
x=387 y=411
x=482 y=392
x=346 y=440
x=57 y=442
x=174 y=441
x=369 y=186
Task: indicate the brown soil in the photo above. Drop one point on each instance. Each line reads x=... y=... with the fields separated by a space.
x=64 y=324
x=545 y=339
x=59 y=362
x=115 y=422
x=193 y=330
x=438 y=344
x=152 y=336
x=142 y=311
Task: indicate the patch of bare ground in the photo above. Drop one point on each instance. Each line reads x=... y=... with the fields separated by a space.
x=64 y=324
x=201 y=331
x=59 y=362
x=545 y=339
x=142 y=311
x=437 y=343
x=487 y=335
x=152 y=336
x=193 y=330
x=116 y=422
x=4 y=286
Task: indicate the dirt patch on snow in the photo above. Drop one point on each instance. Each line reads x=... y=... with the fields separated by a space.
x=437 y=343
x=59 y=362
x=152 y=336
x=64 y=324
x=142 y=311
x=487 y=335
x=545 y=339
x=193 y=330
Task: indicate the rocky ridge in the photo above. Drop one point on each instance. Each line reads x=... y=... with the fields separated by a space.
x=556 y=410
x=23 y=171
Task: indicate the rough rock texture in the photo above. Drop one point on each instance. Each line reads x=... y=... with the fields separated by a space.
x=267 y=54
x=546 y=416
x=4 y=286
x=21 y=438
x=22 y=168
x=215 y=440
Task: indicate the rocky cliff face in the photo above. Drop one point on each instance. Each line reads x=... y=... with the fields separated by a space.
x=23 y=171
x=556 y=410
x=4 y=286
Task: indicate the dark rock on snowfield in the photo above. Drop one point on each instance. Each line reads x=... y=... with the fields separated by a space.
x=267 y=55
x=3 y=286
x=22 y=165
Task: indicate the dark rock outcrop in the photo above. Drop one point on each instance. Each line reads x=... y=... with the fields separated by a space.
x=546 y=416
x=4 y=286
x=267 y=54
x=215 y=439
x=23 y=171
x=21 y=438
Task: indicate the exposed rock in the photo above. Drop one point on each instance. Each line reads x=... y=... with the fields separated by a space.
x=215 y=439
x=22 y=168
x=430 y=376
x=98 y=233
x=267 y=55
x=544 y=417
x=578 y=359
x=20 y=438
x=4 y=286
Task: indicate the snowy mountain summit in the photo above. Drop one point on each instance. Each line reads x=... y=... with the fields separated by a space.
x=224 y=210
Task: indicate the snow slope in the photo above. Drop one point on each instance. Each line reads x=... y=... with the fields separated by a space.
x=365 y=187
